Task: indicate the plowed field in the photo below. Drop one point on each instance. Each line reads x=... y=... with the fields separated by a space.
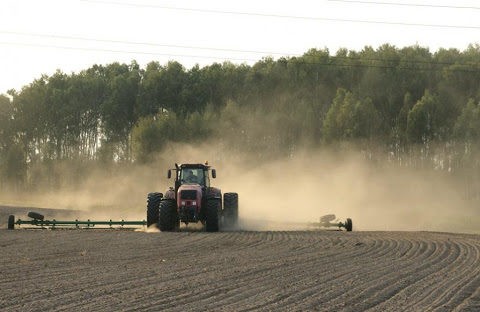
x=88 y=270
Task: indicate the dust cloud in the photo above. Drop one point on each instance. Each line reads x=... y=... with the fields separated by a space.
x=283 y=193
x=289 y=192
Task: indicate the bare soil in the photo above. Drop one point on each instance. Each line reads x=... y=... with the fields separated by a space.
x=111 y=270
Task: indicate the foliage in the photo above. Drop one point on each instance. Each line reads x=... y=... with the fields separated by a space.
x=395 y=98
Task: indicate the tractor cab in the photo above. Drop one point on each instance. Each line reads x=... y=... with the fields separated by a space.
x=192 y=174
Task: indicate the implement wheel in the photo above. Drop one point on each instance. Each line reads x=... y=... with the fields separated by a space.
x=348 y=225
x=35 y=215
x=11 y=222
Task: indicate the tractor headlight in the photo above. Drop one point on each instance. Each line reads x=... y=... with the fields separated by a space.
x=194 y=203
x=183 y=203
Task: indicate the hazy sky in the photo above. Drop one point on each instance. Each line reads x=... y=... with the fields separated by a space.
x=39 y=37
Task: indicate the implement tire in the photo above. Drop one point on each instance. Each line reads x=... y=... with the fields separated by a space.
x=35 y=215
x=11 y=222
x=230 y=209
x=168 y=217
x=348 y=225
x=211 y=220
x=153 y=205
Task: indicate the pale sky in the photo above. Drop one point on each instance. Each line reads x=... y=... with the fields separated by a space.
x=39 y=37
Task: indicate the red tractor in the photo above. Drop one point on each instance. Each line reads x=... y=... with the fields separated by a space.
x=192 y=200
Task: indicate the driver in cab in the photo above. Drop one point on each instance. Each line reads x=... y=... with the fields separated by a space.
x=190 y=177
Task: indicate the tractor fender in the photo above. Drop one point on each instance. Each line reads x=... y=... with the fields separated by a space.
x=219 y=198
x=214 y=193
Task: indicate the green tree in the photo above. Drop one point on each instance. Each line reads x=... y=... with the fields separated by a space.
x=6 y=122
x=467 y=126
x=351 y=118
x=13 y=166
x=421 y=119
x=118 y=108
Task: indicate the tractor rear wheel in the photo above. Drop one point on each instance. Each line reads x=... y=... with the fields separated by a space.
x=11 y=222
x=168 y=219
x=348 y=225
x=153 y=205
x=230 y=209
x=211 y=220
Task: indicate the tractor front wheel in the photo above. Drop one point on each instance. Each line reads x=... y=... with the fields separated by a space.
x=211 y=220
x=168 y=219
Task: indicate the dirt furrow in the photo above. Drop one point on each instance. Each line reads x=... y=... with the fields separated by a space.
x=423 y=289
x=300 y=281
x=426 y=289
x=451 y=293
x=245 y=283
x=193 y=270
x=367 y=277
x=391 y=282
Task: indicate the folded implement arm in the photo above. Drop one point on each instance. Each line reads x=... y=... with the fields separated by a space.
x=329 y=221
x=38 y=221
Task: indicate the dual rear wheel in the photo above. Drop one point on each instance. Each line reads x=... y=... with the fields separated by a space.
x=230 y=210
x=229 y=213
x=153 y=205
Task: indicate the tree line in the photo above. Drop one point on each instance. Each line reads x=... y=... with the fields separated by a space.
x=409 y=105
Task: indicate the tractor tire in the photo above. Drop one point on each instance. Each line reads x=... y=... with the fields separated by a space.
x=168 y=218
x=11 y=222
x=230 y=209
x=35 y=215
x=348 y=225
x=212 y=213
x=153 y=206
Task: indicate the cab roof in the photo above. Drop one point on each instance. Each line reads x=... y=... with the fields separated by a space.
x=196 y=166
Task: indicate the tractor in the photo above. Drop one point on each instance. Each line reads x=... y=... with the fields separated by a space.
x=192 y=200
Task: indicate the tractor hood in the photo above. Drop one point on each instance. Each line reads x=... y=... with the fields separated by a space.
x=189 y=193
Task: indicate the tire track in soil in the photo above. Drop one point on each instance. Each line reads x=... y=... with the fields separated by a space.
x=252 y=275
x=384 y=284
x=38 y=295
x=214 y=291
x=392 y=285
x=386 y=287
x=313 y=288
x=451 y=295
x=426 y=286
x=335 y=273
x=266 y=274
x=436 y=269
x=472 y=287
x=207 y=294
x=326 y=279
x=123 y=282
x=342 y=293
x=243 y=270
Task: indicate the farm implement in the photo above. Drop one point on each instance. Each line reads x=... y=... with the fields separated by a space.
x=330 y=221
x=38 y=221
